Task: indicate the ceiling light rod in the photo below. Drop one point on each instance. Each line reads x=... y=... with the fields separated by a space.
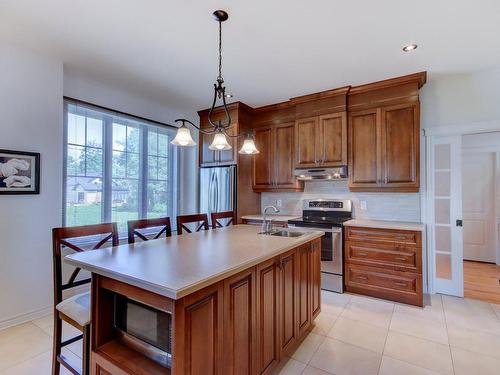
x=183 y=136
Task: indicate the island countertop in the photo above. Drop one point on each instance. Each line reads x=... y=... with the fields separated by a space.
x=180 y=265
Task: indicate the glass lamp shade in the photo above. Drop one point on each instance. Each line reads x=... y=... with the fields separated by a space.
x=248 y=147
x=183 y=137
x=220 y=142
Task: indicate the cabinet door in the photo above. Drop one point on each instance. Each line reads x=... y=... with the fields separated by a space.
x=304 y=288
x=332 y=140
x=288 y=300
x=315 y=279
x=268 y=353
x=364 y=137
x=263 y=161
x=207 y=156
x=284 y=156
x=239 y=323
x=306 y=134
x=400 y=147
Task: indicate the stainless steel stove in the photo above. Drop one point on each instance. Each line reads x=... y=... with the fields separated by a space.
x=327 y=215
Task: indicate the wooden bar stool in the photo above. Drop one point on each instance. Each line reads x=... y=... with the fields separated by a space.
x=75 y=310
x=163 y=223
x=202 y=219
x=216 y=216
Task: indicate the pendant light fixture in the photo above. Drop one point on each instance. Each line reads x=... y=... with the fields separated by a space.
x=220 y=141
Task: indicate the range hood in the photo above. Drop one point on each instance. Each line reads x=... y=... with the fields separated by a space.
x=317 y=174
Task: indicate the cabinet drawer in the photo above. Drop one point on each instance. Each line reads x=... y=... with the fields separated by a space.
x=393 y=256
x=384 y=283
x=383 y=235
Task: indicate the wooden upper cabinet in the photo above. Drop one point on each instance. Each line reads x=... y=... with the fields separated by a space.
x=364 y=139
x=384 y=149
x=274 y=165
x=306 y=134
x=400 y=142
x=321 y=141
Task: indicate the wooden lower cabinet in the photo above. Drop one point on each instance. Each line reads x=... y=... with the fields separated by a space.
x=244 y=324
x=384 y=263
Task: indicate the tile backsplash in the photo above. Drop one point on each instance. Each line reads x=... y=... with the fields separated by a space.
x=381 y=206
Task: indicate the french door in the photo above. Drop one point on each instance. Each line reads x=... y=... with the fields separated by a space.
x=445 y=214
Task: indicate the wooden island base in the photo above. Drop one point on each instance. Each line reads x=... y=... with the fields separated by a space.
x=244 y=324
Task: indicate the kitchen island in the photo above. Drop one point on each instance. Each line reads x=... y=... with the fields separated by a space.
x=224 y=301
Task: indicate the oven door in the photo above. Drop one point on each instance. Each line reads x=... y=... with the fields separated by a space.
x=331 y=247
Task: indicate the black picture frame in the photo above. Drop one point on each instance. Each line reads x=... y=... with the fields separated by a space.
x=34 y=161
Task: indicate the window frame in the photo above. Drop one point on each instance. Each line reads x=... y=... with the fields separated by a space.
x=109 y=117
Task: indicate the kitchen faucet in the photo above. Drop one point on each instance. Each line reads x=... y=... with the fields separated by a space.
x=267 y=225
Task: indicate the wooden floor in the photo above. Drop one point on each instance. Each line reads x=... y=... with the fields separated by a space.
x=482 y=281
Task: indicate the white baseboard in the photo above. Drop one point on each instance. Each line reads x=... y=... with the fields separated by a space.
x=39 y=313
x=26 y=317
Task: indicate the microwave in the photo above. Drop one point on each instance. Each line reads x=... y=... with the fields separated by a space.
x=144 y=329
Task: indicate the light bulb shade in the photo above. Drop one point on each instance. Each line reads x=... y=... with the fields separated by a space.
x=220 y=142
x=248 y=147
x=183 y=137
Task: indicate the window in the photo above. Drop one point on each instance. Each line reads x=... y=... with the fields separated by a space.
x=117 y=167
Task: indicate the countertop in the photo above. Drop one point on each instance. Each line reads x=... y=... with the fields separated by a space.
x=401 y=225
x=273 y=217
x=180 y=265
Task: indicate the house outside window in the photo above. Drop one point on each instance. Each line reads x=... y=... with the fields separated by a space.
x=117 y=167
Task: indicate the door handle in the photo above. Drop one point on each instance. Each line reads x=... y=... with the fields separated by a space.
x=459 y=223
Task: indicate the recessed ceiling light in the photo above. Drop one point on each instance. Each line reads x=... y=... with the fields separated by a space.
x=410 y=47
x=229 y=95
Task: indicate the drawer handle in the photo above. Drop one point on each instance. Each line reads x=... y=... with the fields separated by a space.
x=400 y=283
x=401 y=237
x=362 y=277
x=362 y=254
x=400 y=258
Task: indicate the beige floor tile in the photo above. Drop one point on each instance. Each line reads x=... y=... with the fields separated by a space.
x=474 y=340
x=372 y=301
x=333 y=303
x=340 y=358
x=423 y=328
x=420 y=352
x=475 y=322
x=308 y=347
x=432 y=311
x=466 y=363
x=39 y=365
x=369 y=312
x=391 y=366
x=323 y=323
x=467 y=307
x=496 y=308
x=309 y=370
x=361 y=334
x=22 y=342
x=292 y=367
x=46 y=323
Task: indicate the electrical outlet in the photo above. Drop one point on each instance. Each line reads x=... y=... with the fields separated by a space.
x=279 y=203
x=362 y=205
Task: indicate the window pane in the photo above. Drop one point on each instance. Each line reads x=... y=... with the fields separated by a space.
x=132 y=139
x=94 y=161
x=152 y=167
x=119 y=137
x=119 y=164
x=162 y=168
x=76 y=160
x=133 y=165
x=76 y=129
x=152 y=142
x=94 y=132
x=157 y=199
x=124 y=202
x=163 y=144
x=83 y=201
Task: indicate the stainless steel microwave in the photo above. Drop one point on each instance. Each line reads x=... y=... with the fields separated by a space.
x=144 y=329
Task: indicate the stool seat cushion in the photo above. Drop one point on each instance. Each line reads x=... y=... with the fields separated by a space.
x=76 y=308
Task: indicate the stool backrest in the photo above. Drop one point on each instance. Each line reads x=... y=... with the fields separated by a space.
x=217 y=216
x=78 y=239
x=162 y=223
x=201 y=219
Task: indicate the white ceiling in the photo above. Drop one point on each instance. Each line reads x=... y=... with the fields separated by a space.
x=272 y=50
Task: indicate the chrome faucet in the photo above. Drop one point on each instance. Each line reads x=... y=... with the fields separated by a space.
x=267 y=225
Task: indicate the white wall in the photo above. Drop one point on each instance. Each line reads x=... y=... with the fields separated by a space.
x=31 y=88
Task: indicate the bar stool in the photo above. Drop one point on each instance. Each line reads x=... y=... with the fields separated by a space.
x=75 y=310
x=201 y=219
x=216 y=216
x=134 y=225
